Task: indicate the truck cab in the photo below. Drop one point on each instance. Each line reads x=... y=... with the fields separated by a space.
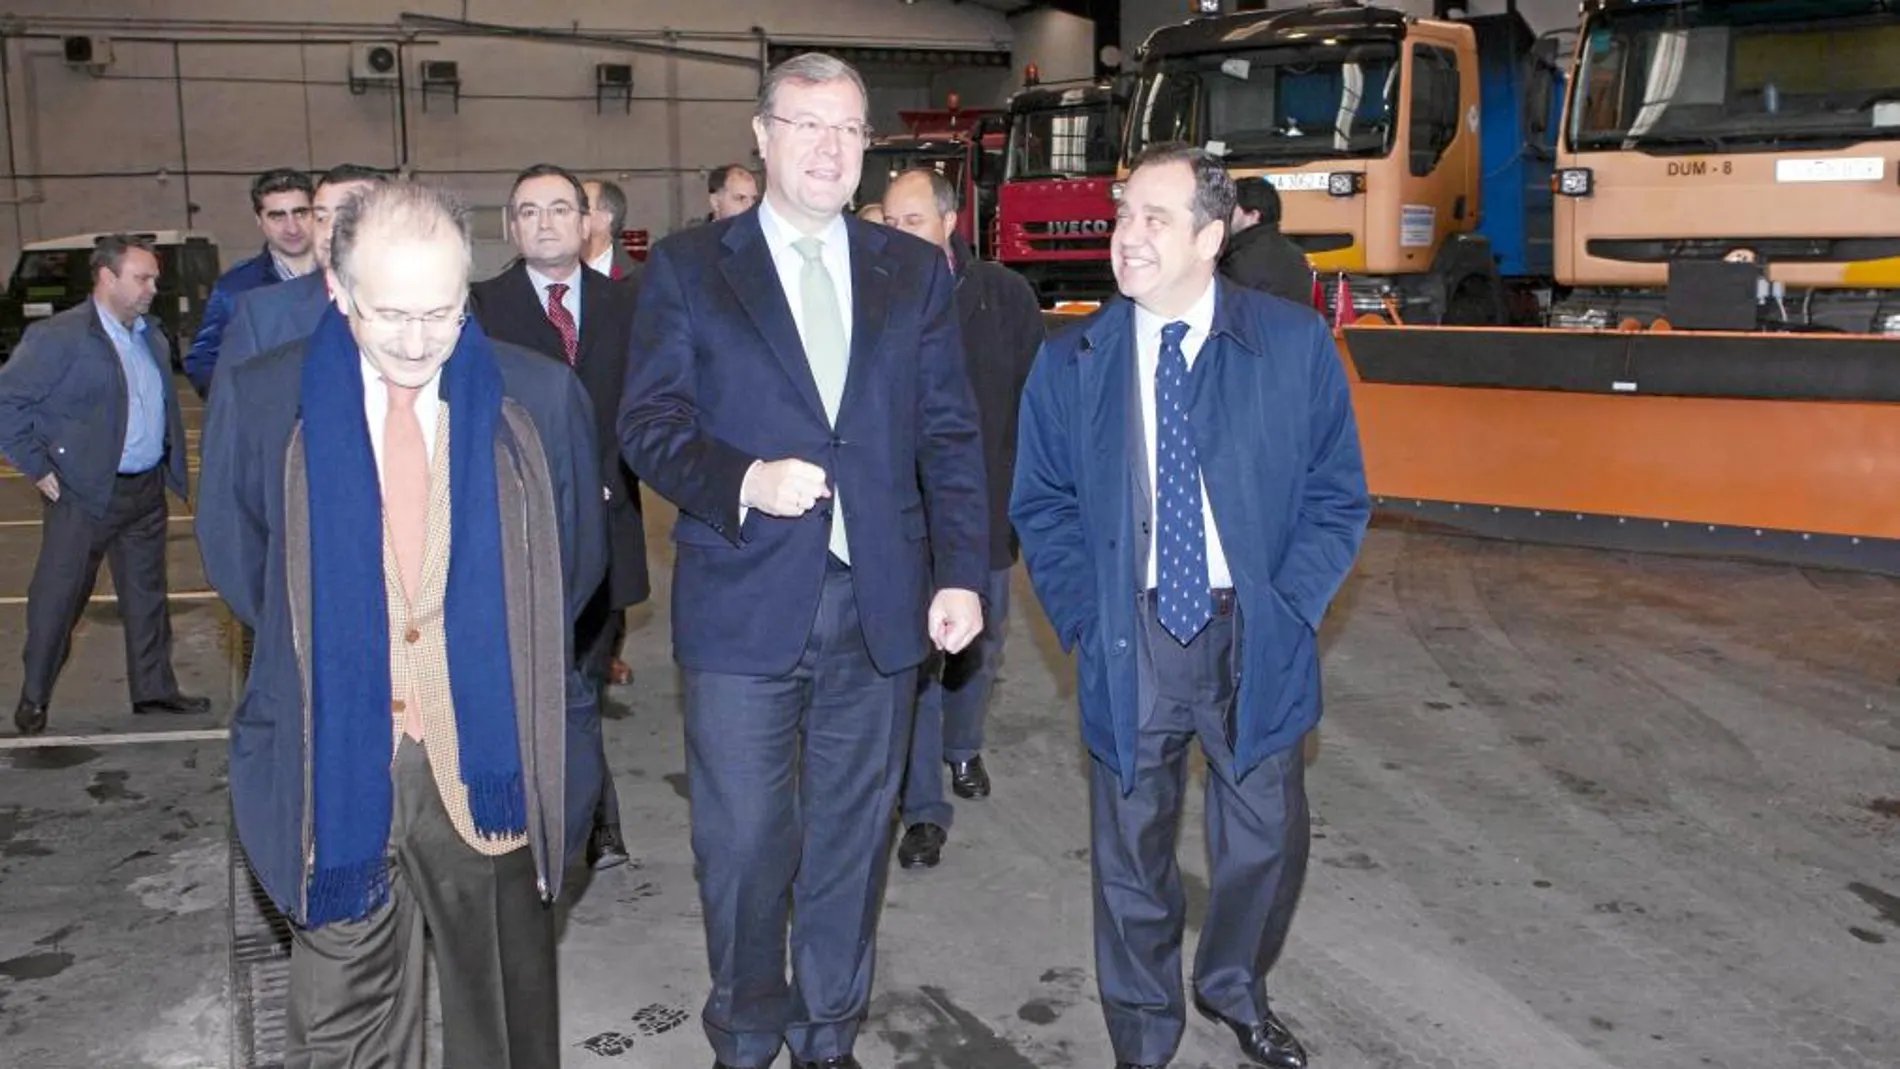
x=1054 y=212
x=1410 y=154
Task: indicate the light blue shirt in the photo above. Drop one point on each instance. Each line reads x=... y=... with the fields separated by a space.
x=144 y=395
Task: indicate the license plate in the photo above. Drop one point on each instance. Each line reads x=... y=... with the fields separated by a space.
x=1859 y=169
x=1302 y=182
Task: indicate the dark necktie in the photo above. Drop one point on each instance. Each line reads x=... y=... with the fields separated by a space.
x=563 y=321
x=1180 y=536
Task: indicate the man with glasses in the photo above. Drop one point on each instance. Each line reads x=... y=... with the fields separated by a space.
x=407 y=513
x=797 y=389
x=548 y=301
x=280 y=199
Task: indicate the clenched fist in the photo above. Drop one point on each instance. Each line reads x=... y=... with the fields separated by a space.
x=784 y=488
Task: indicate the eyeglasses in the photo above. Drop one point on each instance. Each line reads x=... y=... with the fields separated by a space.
x=558 y=212
x=806 y=128
x=391 y=321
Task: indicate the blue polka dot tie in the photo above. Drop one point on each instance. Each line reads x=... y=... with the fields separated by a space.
x=1180 y=536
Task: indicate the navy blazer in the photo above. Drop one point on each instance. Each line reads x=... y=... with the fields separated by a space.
x=718 y=379
x=63 y=407
x=1273 y=426
x=265 y=318
x=246 y=275
x=509 y=310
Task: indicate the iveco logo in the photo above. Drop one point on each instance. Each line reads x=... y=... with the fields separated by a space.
x=1079 y=226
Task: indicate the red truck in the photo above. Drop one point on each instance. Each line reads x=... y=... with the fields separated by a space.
x=1054 y=212
x=954 y=141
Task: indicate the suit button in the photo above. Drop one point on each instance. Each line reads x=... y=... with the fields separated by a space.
x=412 y=636
x=824 y=514
x=398 y=706
x=1121 y=644
x=836 y=441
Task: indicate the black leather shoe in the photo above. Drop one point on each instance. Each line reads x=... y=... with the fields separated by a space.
x=843 y=1061
x=176 y=705
x=605 y=848
x=922 y=846
x=29 y=718
x=1268 y=1043
x=969 y=778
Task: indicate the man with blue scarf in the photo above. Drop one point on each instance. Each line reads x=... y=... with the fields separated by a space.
x=409 y=517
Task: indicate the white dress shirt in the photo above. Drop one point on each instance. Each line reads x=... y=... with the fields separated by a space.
x=1200 y=320
x=779 y=235
x=376 y=410
x=604 y=263
x=571 y=300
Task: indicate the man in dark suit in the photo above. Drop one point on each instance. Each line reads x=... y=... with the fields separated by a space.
x=797 y=389
x=266 y=318
x=1195 y=443
x=548 y=302
x=89 y=412
x=606 y=219
x=1001 y=324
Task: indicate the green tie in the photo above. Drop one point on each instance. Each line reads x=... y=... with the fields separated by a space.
x=827 y=353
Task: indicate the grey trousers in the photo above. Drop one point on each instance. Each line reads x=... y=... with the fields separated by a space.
x=357 y=988
x=1257 y=838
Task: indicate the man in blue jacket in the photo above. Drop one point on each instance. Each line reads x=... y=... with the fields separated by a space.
x=1188 y=468
x=281 y=199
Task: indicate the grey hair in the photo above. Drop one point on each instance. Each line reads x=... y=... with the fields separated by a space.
x=810 y=68
x=941 y=189
x=406 y=208
x=1214 y=193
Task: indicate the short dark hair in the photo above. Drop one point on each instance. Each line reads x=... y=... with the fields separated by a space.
x=344 y=173
x=278 y=180
x=1213 y=186
x=716 y=181
x=941 y=189
x=614 y=200
x=549 y=170
x=108 y=251
x=1259 y=195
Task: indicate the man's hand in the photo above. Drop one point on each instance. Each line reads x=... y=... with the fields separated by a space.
x=49 y=485
x=956 y=618
x=784 y=488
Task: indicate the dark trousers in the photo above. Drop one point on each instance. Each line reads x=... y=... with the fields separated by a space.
x=1257 y=837
x=951 y=699
x=597 y=635
x=793 y=779
x=357 y=988
x=131 y=538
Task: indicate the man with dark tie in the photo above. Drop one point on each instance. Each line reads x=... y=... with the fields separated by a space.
x=408 y=515
x=1188 y=469
x=797 y=389
x=266 y=318
x=549 y=302
x=89 y=412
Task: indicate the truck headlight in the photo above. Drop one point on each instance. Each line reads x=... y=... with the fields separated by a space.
x=1115 y=191
x=1345 y=183
x=1573 y=182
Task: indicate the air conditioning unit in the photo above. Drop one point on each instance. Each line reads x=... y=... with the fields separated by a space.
x=90 y=53
x=373 y=63
x=441 y=72
x=615 y=75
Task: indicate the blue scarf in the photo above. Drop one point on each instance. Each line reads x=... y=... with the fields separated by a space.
x=349 y=649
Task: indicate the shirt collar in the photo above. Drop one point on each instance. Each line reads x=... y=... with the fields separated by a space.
x=542 y=282
x=1199 y=317
x=115 y=328
x=604 y=263
x=780 y=233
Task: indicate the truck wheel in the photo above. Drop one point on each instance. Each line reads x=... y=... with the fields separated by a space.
x=1474 y=303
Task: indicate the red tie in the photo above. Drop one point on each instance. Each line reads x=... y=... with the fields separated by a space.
x=563 y=321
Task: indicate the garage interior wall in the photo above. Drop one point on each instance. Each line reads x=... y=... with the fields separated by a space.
x=202 y=94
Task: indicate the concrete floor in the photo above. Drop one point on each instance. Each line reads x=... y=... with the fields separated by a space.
x=1574 y=810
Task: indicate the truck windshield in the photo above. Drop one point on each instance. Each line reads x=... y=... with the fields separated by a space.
x=882 y=163
x=1064 y=142
x=1282 y=105
x=1761 y=73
